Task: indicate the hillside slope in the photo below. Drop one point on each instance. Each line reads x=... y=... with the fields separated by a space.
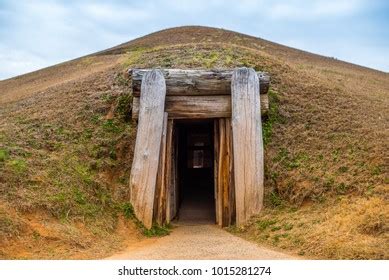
x=66 y=144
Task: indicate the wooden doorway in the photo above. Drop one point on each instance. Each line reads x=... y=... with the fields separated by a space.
x=229 y=101
x=196 y=171
x=202 y=187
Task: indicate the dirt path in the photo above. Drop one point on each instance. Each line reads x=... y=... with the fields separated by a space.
x=198 y=241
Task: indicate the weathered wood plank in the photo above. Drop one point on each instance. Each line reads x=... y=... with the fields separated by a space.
x=247 y=144
x=147 y=146
x=176 y=191
x=182 y=107
x=170 y=171
x=195 y=82
x=230 y=188
x=223 y=173
x=215 y=167
x=160 y=192
x=219 y=135
x=173 y=195
x=225 y=189
x=232 y=201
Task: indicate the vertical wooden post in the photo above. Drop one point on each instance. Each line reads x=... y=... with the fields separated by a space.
x=160 y=189
x=216 y=140
x=230 y=186
x=172 y=186
x=176 y=191
x=221 y=172
x=224 y=187
x=170 y=171
x=247 y=144
x=147 y=146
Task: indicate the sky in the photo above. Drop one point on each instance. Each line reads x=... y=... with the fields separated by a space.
x=38 y=33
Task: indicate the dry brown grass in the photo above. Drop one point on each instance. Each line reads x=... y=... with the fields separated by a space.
x=66 y=144
x=66 y=153
x=345 y=228
x=37 y=82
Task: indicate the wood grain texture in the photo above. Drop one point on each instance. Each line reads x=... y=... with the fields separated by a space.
x=231 y=214
x=160 y=190
x=225 y=194
x=197 y=107
x=173 y=192
x=170 y=170
x=218 y=144
x=176 y=190
x=195 y=82
x=247 y=144
x=147 y=146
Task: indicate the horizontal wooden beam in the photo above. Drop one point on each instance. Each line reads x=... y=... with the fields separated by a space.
x=195 y=82
x=199 y=107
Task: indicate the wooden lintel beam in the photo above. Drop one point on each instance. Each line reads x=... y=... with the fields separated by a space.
x=198 y=107
x=195 y=82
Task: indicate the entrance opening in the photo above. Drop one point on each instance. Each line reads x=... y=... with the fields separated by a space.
x=196 y=171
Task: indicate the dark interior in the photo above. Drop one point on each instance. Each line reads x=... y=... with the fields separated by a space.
x=196 y=171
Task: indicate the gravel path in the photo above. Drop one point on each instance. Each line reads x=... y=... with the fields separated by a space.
x=198 y=241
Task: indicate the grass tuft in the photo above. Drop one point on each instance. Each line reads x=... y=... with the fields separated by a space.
x=4 y=155
x=111 y=126
x=155 y=230
x=275 y=199
x=18 y=165
x=264 y=224
x=272 y=117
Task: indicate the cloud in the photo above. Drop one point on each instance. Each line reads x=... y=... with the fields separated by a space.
x=114 y=12
x=35 y=34
x=313 y=10
x=296 y=10
x=18 y=61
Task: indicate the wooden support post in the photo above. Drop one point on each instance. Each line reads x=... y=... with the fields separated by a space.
x=247 y=144
x=172 y=187
x=170 y=170
x=230 y=186
x=219 y=170
x=147 y=146
x=224 y=187
x=216 y=140
x=175 y=188
x=160 y=194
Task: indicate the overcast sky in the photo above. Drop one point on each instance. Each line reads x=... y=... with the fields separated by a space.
x=38 y=33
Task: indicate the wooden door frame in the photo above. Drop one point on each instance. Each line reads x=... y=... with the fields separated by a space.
x=239 y=168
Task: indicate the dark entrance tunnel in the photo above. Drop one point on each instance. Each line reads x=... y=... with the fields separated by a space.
x=196 y=172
